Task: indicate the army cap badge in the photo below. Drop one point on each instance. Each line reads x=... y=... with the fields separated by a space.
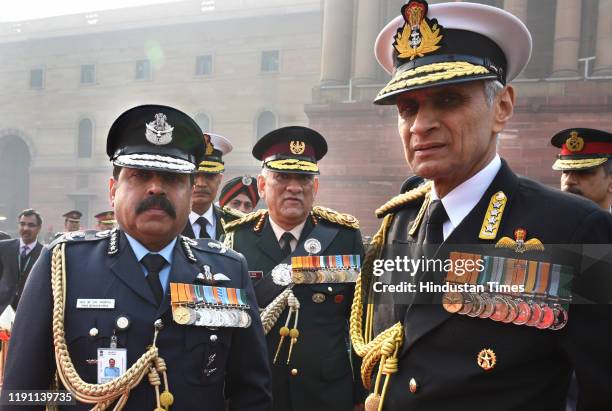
x=581 y=148
x=293 y=149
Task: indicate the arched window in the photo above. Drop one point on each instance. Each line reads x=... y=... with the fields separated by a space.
x=203 y=121
x=85 y=141
x=266 y=122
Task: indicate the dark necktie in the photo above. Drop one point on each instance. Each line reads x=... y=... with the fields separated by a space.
x=154 y=264
x=202 y=222
x=286 y=243
x=23 y=258
x=436 y=216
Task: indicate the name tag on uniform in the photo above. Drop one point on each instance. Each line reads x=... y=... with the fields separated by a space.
x=96 y=303
x=256 y=275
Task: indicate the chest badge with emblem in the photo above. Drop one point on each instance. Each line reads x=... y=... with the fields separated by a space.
x=281 y=274
x=312 y=246
x=318 y=298
x=519 y=244
x=486 y=359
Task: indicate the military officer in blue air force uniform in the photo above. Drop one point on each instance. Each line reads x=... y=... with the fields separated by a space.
x=177 y=316
x=452 y=338
x=312 y=367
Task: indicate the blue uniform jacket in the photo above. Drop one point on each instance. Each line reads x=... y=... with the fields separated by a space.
x=238 y=354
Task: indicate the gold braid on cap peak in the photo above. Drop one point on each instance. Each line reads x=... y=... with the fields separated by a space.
x=335 y=217
x=403 y=199
x=102 y=395
x=382 y=350
x=247 y=218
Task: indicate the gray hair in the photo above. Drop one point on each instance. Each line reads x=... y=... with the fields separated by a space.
x=607 y=166
x=491 y=90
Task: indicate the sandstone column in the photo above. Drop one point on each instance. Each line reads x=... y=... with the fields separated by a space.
x=567 y=38
x=337 y=41
x=603 y=45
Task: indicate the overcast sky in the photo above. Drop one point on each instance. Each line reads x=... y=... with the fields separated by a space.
x=18 y=10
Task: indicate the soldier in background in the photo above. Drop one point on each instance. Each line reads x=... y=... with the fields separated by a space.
x=206 y=220
x=105 y=220
x=72 y=221
x=240 y=193
x=585 y=163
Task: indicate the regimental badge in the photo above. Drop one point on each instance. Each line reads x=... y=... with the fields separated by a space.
x=246 y=180
x=419 y=35
x=209 y=147
x=297 y=147
x=519 y=244
x=574 y=142
x=486 y=359
x=159 y=132
x=493 y=217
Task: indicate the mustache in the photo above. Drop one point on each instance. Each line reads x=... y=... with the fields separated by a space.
x=156 y=202
x=202 y=191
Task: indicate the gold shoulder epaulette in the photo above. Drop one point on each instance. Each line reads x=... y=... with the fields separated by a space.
x=403 y=199
x=335 y=217
x=232 y=225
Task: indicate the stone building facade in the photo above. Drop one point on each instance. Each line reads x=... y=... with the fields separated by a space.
x=240 y=67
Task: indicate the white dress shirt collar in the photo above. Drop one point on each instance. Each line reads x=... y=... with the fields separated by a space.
x=30 y=246
x=209 y=215
x=463 y=198
x=279 y=231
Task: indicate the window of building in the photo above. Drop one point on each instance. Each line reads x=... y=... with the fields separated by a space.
x=85 y=138
x=204 y=65
x=82 y=181
x=36 y=78
x=266 y=122
x=143 y=70
x=88 y=74
x=270 y=61
x=203 y=121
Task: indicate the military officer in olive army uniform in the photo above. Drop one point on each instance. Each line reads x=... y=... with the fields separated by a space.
x=116 y=294
x=473 y=350
x=206 y=220
x=318 y=374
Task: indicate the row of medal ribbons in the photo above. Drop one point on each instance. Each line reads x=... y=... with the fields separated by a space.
x=209 y=306
x=313 y=269
x=517 y=291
